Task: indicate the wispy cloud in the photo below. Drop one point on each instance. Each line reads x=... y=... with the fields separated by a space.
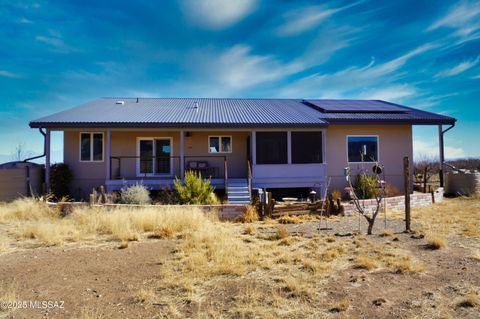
x=463 y=18
x=8 y=74
x=217 y=14
x=353 y=80
x=459 y=68
x=303 y=19
x=56 y=43
x=239 y=68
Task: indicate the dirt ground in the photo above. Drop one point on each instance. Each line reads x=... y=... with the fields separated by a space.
x=103 y=281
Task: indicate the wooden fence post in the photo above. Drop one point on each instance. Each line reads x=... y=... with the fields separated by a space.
x=406 y=178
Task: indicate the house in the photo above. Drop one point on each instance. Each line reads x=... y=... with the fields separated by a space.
x=239 y=143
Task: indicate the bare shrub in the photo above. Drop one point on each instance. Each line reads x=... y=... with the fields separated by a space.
x=282 y=232
x=364 y=262
x=436 y=242
x=136 y=194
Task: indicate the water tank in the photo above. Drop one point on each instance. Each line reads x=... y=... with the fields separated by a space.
x=20 y=179
x=463 y=182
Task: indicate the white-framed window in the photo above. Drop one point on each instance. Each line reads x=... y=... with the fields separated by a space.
x=91 y=147
x=362 y=148
x=154 y=156
x=219 y=144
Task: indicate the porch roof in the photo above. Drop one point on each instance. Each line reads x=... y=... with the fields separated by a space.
x=233 y=113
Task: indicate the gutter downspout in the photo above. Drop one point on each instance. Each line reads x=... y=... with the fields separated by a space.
x=29 y=185
x=441 y=133
x=44 y=147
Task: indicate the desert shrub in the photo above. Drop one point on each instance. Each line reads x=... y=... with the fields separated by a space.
x=60 y=178
x=365 y=186
x=435 y=242
x=282 y=232
x=166 y=196
x=194 y=190
x=135 y=194
x=250 y=215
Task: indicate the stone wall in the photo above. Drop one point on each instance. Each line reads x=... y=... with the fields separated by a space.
x=398 y=202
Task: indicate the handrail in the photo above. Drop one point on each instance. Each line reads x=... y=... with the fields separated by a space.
x=225 y=173
x=249 y=171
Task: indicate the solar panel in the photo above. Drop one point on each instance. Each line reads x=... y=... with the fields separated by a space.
x=355 y=106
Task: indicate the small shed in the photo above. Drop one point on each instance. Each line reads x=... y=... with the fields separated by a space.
x=20 y=179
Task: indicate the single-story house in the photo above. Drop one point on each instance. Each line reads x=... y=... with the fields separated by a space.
x=239 y=143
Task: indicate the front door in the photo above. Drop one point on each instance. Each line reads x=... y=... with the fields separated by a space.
x=154 y=156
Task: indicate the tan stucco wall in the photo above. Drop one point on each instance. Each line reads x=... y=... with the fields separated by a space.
x=124 y=143
x=395 y=142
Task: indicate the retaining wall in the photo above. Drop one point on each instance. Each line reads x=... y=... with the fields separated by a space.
x=398 y=202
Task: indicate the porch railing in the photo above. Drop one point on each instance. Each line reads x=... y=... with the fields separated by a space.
x=249 y=176
x=152 y=167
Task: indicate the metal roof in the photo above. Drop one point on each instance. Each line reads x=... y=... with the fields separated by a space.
x=225 y=112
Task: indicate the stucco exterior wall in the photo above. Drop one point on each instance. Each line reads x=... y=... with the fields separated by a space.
x=395 y=142
x=124 y=143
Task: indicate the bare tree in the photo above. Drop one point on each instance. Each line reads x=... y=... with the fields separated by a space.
x=425 y=168
x=20 y=153
x=355 y=192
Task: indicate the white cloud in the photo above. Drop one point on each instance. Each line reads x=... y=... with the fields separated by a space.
x=217 y=14
x=422 y=149
x=394 y=92
x=459 y=68
x=56 y=43
x=463 y=18
x=349 y=81
x=303 y=19
x=238 y=68
x=8 y=74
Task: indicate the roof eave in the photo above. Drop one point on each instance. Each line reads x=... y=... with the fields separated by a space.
x=173 y=125
x=450 y=121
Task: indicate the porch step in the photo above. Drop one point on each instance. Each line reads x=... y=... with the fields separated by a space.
x=238 y=191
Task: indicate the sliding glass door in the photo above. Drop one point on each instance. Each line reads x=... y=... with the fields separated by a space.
x=154 y=156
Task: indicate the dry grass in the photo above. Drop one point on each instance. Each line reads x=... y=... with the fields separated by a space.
x=435 y=242
x=458 y=216
x=249 y=230
x=340 y=306
x=145 y=296
x=31 y=219
x=250 y=215
x=364 y=262
x=8 y=293
x=470 y=300
x=386 y=233
x=287 y=219
x=282 y=232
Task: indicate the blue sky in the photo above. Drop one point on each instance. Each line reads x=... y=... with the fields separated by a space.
x=58 y=54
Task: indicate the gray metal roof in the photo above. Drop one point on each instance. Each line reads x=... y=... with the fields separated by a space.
x=224 y=112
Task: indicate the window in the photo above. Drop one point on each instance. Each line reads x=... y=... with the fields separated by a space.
x=91 y=147
x=219 y=144
x=362 y=148
x=306 y=147
x=271 y=147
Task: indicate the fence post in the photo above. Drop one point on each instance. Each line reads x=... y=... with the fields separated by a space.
x=406 y=178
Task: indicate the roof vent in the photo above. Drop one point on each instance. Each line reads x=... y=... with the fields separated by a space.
x=120 y=102
x=195 y=105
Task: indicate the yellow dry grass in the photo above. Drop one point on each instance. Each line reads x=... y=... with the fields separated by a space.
x=436 y=242
x=8 y=293
x=31 y=219
x=457 y=216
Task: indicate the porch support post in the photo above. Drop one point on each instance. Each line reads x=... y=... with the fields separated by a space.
x=108 y=152
x=441 y=153
x=182 y=154
x=253 y=145
x=289 y=147
x=47 y=160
